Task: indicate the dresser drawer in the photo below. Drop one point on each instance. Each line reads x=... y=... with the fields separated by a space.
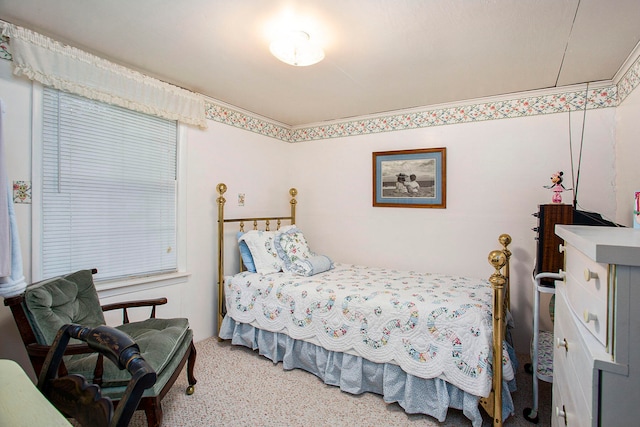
x=569 y=351
x=573 y=368
x=586 y=284
x=564 y=411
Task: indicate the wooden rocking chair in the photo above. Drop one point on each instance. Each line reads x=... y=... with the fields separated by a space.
x=75 y=398
x=166 y=344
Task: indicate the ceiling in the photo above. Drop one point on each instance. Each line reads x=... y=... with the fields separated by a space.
x=381 y=55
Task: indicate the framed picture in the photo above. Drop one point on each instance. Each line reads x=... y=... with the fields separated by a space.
x=410 y=178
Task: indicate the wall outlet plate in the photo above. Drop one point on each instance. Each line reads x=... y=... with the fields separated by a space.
x=22 y=192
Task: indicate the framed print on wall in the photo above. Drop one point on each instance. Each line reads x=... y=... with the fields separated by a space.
x=410 y=178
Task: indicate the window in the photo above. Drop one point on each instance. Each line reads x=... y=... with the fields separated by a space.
x=109 y=187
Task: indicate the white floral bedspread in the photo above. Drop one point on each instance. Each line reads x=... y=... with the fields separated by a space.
x=431 y=325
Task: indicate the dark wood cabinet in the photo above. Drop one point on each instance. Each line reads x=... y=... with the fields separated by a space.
x=548 y=257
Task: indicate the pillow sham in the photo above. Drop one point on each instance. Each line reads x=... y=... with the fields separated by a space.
x=312 y=265
x=261 y=245
x=291 y=246
x=245 y=253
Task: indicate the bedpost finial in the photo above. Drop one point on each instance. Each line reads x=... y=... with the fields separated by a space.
x=497 y=259
x=221 y=188
x=505 y=240
x=293 y=192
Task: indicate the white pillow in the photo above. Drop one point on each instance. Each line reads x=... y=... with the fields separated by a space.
x=263 y=251
x=292 y=246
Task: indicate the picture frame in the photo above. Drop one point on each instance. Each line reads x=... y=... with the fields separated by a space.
x=410 y=178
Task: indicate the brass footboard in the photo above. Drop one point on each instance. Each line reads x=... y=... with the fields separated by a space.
x=499 y=280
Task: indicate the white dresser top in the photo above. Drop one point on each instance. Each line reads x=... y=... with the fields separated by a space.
x=607 y=245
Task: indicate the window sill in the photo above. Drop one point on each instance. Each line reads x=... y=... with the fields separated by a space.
x=119 y=287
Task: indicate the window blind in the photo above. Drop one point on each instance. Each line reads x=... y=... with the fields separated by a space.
x=109 y=189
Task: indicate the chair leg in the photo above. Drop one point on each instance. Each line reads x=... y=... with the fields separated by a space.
x=153 y=411
x=191 y=362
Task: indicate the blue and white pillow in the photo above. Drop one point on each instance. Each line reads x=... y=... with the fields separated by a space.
x=245 y=253
x=296 y=255
x=312 y=265
x=292 y=246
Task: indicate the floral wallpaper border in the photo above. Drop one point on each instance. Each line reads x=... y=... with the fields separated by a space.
x=610 y=96
x=629 y=81
x=520 y=107
x=244 y=121
x=549 y=104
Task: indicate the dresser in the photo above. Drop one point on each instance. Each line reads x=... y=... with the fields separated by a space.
x=596 y=357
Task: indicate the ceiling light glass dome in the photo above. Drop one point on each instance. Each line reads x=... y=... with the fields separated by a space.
x=296 y=48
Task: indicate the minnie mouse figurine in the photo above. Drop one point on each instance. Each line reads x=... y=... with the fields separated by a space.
x=557 y=187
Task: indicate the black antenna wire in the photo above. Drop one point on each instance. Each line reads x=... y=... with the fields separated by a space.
x=584 y=117
x=573 y=180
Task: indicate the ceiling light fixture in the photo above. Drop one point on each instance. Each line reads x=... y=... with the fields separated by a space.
x=296 y=48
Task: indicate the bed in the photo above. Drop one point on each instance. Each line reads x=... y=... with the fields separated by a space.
x=426 y=341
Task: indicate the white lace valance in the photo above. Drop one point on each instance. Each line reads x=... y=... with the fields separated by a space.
x=67 y=68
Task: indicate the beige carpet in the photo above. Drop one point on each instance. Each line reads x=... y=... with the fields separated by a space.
x=238 y=387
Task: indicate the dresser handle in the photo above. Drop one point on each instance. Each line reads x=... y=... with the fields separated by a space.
x=588 y=274
x=561 y=248
x=561 y=413
x=562 y=343
x=588 y=317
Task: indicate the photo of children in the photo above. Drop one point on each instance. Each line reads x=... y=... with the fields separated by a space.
x=412 y=186
x=409 y=178
x=401 y=187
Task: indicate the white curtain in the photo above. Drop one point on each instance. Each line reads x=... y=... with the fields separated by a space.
x=5 y=228
x=72 y=70
x=12 y=280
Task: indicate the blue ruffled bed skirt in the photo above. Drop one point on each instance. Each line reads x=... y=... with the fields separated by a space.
x=356 y=375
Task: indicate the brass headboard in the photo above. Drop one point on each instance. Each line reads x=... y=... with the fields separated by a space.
x=221 y=189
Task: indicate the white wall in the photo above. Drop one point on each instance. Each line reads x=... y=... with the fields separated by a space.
x=627 y=155
x=248 y=163
x=16 y=94
x=496 y=171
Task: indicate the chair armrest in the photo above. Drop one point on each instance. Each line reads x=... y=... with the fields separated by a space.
x=38 y=353
x=133 y=304
x=42 y=350
x=139 y=303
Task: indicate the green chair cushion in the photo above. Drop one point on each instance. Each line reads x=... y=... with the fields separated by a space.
x=159 y=341
x=115 y=392
x=56 y=302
